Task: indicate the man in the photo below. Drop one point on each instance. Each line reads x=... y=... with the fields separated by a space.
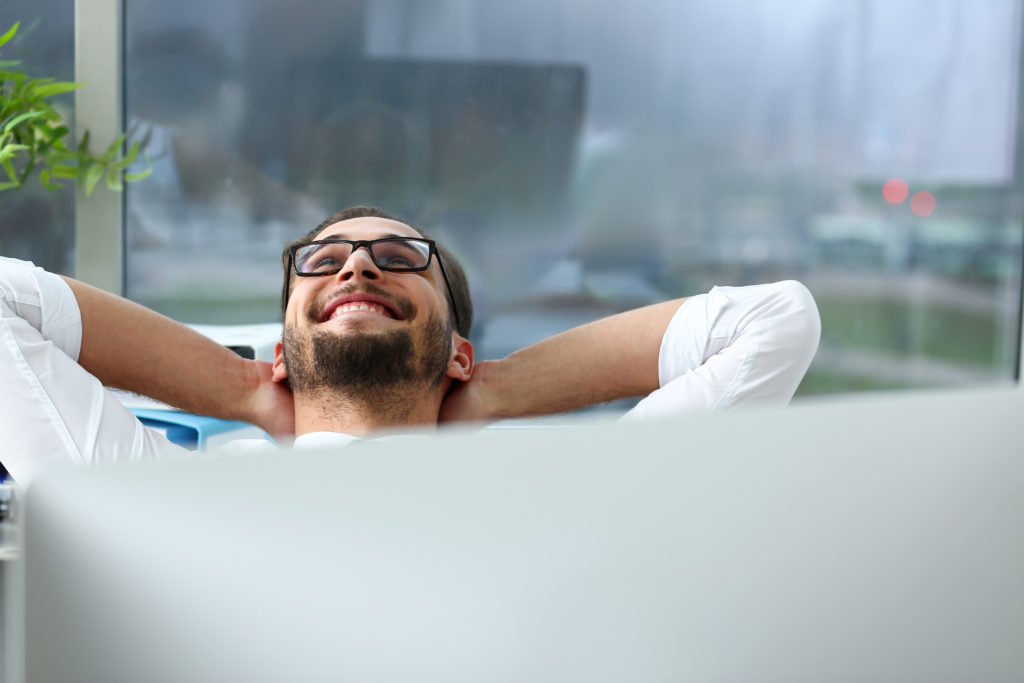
x=375 y=332
x=376 y=327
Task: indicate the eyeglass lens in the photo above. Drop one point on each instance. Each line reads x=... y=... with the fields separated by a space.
x=388 y=254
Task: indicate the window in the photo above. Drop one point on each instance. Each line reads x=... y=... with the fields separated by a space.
x=588 y=157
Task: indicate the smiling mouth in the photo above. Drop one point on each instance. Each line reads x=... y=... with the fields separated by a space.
x=360 y=307
x=365 y=302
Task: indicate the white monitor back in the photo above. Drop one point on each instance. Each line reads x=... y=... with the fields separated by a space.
x=877 y=540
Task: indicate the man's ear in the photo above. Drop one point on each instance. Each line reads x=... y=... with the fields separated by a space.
x=460 y=366
x=280 y=371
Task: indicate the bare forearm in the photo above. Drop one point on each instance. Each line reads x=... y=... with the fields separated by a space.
x=130 y=347
x=607 y=359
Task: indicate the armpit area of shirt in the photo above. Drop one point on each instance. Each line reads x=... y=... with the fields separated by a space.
x=684 y=340
x=61 y=318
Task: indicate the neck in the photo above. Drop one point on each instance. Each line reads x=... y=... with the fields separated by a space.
x=331 y=410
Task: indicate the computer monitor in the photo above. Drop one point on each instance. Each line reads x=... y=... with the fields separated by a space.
x=875 y=540
x=468 y=138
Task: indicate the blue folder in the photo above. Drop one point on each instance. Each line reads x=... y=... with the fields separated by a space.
x=185 y=429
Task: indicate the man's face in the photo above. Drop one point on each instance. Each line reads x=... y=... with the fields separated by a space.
x=362 y=327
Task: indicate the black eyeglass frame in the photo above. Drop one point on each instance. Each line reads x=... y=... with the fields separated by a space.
x=293 y=263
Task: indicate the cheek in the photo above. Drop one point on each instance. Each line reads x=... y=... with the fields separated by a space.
x=427 y=298
x=298 y=302
x=289 y=312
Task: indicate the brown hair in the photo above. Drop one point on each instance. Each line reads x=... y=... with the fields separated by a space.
x=456 y=275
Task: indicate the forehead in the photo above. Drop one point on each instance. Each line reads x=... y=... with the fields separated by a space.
x=367 y=228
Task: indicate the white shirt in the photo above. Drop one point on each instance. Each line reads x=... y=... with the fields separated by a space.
x=732 y=346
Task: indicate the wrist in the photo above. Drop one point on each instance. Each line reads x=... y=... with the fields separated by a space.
x=494 y=395
x=247 y=405
x=485 y=397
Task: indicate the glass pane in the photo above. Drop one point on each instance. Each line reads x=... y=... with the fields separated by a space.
x=584 y=157
x=36 y=224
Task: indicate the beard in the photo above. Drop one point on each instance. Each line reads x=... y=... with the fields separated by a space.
x=369 y=367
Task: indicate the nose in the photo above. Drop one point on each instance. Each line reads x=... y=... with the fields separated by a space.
x=359 y=265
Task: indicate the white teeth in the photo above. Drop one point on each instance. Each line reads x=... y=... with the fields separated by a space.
x=362 y=306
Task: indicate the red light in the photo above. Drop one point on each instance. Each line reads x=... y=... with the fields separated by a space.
x=895 y=190
x=922 y=203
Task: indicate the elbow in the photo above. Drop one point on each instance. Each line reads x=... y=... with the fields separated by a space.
x=794 y=315
x=803 y=309
x=801 y=320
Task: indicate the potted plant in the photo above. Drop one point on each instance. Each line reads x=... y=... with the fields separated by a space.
x=35 y=138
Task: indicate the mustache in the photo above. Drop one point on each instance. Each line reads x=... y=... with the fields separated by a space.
x=403 y=305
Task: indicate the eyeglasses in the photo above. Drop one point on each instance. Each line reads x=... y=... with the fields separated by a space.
x=393 y=254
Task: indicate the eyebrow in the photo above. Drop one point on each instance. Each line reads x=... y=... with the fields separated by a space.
x=341 y=236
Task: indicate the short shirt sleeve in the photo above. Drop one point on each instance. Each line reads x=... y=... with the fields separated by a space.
x=52 y=412
x=734 y=346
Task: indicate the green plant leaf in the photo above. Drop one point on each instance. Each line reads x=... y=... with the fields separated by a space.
x=28 y=90
x=84 y=143
x=114 y=180
x=10 y=33
x=21 y=117
x=115 y=147
x=64 y=171
x=55 y=89
x=44 y=178
x=26 y=172
x=8 y=186
x=36 y=82
x=50 y=137
x=92 y=176
x=5 y=63
x=135 y=177
x=11 y=173
x=56 y=156
x=49 y=113
x=11 y=151
x=128 y=159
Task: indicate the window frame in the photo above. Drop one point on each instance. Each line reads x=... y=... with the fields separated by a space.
x=99 y=108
